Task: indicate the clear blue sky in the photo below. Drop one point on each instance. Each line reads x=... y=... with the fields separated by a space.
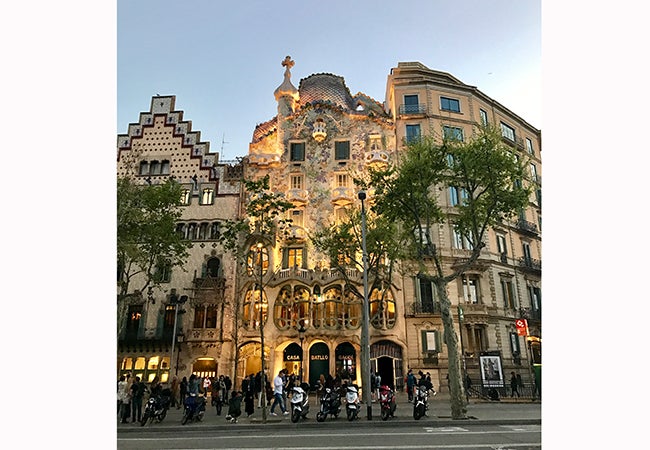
x=222 y=59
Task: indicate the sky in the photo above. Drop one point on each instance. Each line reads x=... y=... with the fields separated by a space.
x=222 y=61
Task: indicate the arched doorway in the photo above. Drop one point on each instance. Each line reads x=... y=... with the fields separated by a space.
x=319 y=362
x=250 y=360
x=204 y=367
x=386 y=360
x=292 y=359
x=346 y=357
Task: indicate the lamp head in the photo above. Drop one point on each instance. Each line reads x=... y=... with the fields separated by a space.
x=362 y=195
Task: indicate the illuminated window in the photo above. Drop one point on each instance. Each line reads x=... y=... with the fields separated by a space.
x=207 y=196
x=296 y=181
x=382 y=308
x=185 y=197
x=253 y=260
x=254 y=310
x=283 y=309
x=292 y=257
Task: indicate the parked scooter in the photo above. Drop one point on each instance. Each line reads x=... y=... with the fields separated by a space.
x=194 y=408
x=299 y=402
x=387 y=402
x=330 y=403
x=420 y=401
x=156 y=407
x=352 y=401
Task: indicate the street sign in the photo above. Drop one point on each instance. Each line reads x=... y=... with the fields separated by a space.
x=522 y=327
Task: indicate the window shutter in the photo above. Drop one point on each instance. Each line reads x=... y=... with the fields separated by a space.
x=438 y=347
x=285 y=258
x=424 y=340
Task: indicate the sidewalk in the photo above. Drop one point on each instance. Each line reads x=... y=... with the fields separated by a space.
x=507 y=411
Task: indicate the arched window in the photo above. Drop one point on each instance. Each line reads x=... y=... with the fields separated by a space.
x=352 y=305
x=301 y=301
x=333 y=307
x=283 y=309
x=317 y=308
x=253 y=260
x=254 y=310
x=214 y=230
x=212 y=267
x=203 y=231
x=191 y=231
x=382 y=308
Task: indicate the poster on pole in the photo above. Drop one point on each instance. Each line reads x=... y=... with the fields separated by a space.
x=491 y=372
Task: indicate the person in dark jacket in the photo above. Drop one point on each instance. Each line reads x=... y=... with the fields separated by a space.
x=248 y=390
x=234 y=407
x=183 y=392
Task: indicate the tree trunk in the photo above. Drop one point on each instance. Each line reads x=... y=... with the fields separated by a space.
x=456 y=394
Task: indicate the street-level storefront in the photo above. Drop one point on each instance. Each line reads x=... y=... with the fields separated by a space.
x=386 y=360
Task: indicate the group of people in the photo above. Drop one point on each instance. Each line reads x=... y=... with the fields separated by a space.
x=130 y=393
x=412 y=382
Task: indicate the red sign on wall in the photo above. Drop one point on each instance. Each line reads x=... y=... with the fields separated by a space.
x=522 y=327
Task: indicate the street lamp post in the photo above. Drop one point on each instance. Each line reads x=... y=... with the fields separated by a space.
x=261 y=317
x=301 y=336
x=177 y=302
x=365 y=344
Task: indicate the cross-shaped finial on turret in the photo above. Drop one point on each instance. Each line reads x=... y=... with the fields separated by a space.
x=288 y=62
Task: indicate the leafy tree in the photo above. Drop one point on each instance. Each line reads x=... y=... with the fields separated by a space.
x=488 y=178
x=262 y=221
x=147 y=240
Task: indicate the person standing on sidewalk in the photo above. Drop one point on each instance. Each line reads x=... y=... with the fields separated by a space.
x=137 y=392
x=174 y=389
x=410 y=384
x=278 y=384
x=183 y=392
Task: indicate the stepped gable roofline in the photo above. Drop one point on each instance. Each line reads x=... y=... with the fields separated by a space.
x=326 y=87
x=164 y=105
x=264 y=129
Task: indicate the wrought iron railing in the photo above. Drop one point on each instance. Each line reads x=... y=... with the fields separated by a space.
x=420 y=108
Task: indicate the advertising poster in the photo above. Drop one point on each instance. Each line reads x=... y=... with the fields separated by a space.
x=491 y=372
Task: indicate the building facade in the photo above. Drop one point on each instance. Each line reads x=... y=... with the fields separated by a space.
x=320 y=138
x=194 y=299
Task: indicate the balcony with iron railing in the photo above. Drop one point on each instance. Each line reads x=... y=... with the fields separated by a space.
x=418 y=309
x=526 y=226
x=530 y=264
x=409 y=110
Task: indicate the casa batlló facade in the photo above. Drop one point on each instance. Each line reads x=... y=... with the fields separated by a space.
x=321 y=136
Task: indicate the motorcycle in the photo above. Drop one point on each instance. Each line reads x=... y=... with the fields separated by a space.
x=352 y=402
x=420 y=401
x=156 y=407
x=299 y=402
x=387 y=402
x=330 y=403
x=194 y=409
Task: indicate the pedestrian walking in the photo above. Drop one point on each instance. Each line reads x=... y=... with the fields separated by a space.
x=277 y=394
x=513 y=385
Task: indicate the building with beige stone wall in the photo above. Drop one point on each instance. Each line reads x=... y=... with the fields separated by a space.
x=321 y=136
